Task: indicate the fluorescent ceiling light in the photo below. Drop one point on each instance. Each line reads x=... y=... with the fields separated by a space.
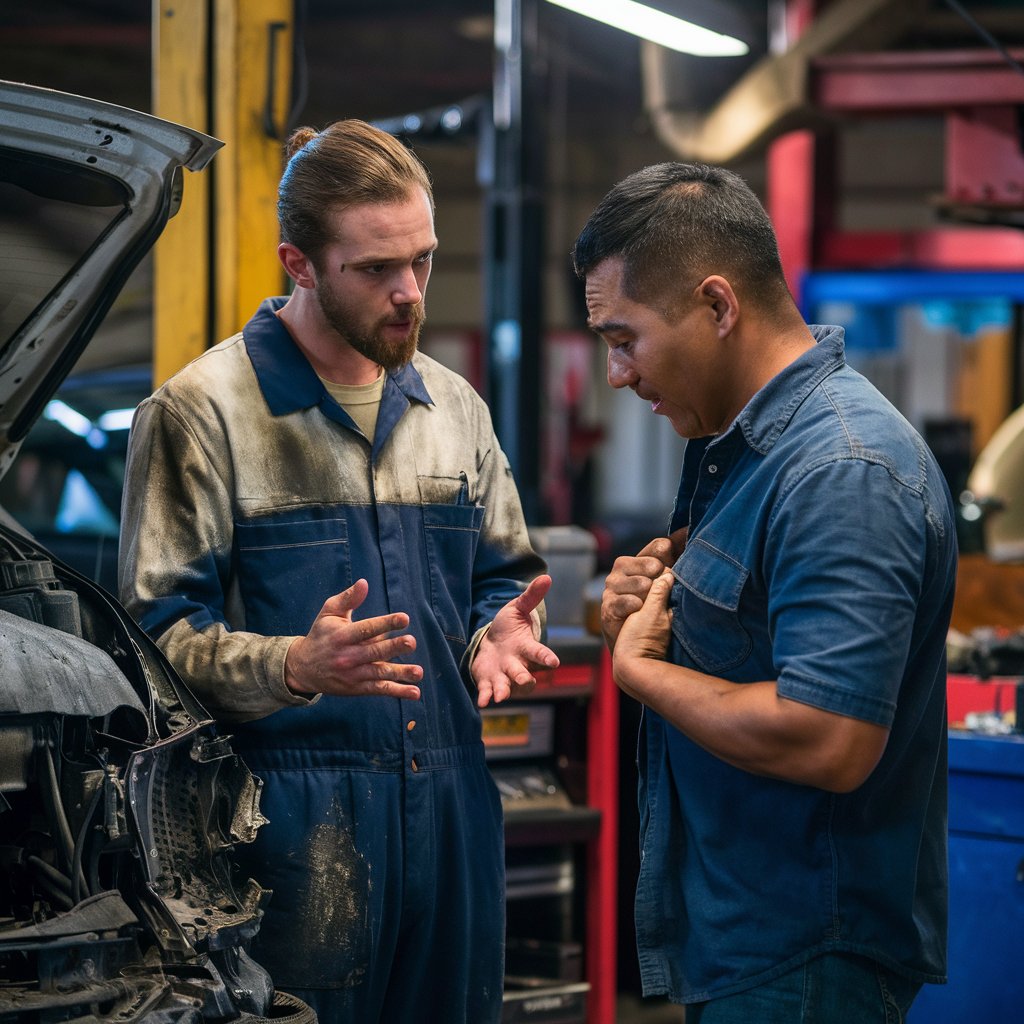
x=658 y=27
x=73 y=421
x=117 y=419
x=68 y=418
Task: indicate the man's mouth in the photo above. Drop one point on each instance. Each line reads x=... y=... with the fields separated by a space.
x=654 y=400
x=405 y=323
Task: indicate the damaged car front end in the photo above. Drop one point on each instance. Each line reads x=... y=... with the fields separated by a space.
x=120 y=803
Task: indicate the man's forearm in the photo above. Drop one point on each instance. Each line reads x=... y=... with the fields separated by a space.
x=238 y=676
x=752 y=727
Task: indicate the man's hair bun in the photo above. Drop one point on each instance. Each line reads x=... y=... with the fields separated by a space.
x=298 y=139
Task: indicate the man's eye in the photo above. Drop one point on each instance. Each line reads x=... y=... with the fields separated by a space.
x=375 y=268
x=427 y=257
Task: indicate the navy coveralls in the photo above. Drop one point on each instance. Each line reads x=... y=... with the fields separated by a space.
x=251 y=498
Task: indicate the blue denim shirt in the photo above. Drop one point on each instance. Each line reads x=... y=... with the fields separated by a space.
x=821 y=554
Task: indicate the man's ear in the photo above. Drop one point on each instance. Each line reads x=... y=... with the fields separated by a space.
x=721 y=299
x=297 y=265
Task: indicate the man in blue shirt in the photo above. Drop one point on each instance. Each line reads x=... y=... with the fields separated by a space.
x=787 y=637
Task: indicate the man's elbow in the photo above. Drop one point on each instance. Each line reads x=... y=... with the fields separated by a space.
x=847 y=769
x=843 y=782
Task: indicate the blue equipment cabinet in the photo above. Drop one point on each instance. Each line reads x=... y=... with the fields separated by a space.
x=986 y=882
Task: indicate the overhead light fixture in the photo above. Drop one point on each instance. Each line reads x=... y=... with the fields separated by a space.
x=663 y=29
x=116 y=419
x=74 y=422
x=70 y=419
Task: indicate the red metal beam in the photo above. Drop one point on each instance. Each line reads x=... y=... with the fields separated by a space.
x=978 y=93
x=791 y=199
x=984 y=163
x=905 y=82
x=982 y=248
x=601 y=949
x=797 y=18
x=794 y=199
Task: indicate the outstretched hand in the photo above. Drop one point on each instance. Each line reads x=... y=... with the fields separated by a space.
x=346 y=658
x=510 y=652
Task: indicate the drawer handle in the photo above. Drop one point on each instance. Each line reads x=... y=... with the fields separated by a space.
x=1020 y=871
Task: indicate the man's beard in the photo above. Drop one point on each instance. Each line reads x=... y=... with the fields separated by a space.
x=370 y=341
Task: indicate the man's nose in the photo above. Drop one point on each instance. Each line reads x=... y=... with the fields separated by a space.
x=407 y=290
x=620 y=374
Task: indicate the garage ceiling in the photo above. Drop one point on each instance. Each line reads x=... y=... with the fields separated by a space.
x=383 y=58
x=378 y=59
x=367 y=58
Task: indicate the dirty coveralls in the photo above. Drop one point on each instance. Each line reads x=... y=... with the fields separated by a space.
x=250 y=498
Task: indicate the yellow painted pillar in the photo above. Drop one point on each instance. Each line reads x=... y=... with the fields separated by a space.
x=252 y=75
x=181 y=257
x=224 y=67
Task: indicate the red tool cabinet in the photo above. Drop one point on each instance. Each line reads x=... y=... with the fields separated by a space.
x=554 y=755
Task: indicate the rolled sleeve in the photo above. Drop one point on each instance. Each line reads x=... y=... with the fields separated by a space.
x=841 y=613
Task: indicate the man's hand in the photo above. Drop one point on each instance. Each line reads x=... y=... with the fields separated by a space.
x=510 y=651
x=350 y=659
x=645 y=633
x=629 y=582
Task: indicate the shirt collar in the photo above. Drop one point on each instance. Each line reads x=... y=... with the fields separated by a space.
x=285 y=376
x=763 y=419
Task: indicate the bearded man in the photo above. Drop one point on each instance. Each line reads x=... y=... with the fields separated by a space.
x=312 y=467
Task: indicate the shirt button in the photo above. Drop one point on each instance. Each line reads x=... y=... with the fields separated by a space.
x=415 y=767
x=712 y=469
x=411 y=726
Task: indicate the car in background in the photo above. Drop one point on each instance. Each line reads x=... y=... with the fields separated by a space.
x=120 y=802
x=64 y=486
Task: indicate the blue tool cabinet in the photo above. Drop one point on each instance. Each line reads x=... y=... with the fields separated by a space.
x=986 y=880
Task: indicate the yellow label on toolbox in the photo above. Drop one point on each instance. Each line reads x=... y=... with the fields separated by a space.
x=510 y=730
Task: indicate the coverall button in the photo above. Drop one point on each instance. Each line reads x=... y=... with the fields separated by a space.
x=411 y=725
x=712 y=468
x=414 y=765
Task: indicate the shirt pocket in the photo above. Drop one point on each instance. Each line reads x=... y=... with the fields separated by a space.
x=452 y=532
x=287 y=567
x=705 y=602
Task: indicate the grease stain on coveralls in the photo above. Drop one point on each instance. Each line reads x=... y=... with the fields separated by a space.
x=333 y=906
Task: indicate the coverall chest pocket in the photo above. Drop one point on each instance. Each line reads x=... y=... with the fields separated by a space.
x=288 y=566
x=705 y=602
x=452 y=532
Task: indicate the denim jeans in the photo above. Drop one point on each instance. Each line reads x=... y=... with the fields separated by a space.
x=832 y=989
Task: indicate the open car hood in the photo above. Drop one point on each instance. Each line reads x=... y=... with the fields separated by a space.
x=85 y=189
x=120 y=802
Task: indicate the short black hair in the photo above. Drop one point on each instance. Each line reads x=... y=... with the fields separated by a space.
x=673 y=224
